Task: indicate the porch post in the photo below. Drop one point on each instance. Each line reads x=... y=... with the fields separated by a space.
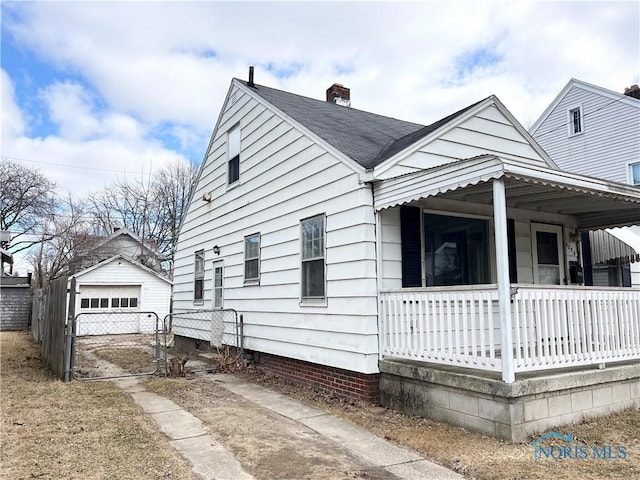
x=504 y=290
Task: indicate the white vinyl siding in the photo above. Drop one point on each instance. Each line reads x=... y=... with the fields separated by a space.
x=609 y=142
x=285 y=177
x=487 y=132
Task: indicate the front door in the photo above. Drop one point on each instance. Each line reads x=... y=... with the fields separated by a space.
x=548 y=255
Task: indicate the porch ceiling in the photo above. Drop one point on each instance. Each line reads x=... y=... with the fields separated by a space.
x=594 y=202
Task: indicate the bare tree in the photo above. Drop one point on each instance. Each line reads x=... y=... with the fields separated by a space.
x=173 y=185
x=152 y=211
x=27 y=199
x=65 y=230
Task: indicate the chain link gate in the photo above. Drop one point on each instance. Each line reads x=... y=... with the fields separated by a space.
x=221 y=328
x=117 y=344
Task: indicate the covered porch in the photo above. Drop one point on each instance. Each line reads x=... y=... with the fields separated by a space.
x=492 y=280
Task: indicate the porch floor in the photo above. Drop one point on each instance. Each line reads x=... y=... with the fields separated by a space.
x=492 y=375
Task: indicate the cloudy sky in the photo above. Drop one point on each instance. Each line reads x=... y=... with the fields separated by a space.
x=96 y=90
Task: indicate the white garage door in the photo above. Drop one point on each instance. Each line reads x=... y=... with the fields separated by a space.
x=109 y=310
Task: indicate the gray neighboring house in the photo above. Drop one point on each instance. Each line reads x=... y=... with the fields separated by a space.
x=15 y=297
x=595 y=131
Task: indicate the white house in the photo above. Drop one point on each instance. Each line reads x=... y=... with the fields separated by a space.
x=594 y=131
x=372 y=256
x=115 y=291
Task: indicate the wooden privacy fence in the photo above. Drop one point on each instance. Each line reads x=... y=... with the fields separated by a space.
x=49 y=324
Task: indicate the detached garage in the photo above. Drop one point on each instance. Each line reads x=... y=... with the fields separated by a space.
x=116 y=294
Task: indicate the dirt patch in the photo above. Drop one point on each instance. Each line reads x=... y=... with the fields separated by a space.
x=478 y=456
x=81 y=430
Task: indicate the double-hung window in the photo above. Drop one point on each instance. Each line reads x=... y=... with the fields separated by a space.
x=634 y=174
x=252 y=258
x=198 y=277
x=233 y=163
x=313 y=258
x=575 y=121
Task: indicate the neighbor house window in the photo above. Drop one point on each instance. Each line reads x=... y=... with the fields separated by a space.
x=198 y=277
x=233 y=145
x=575 y=121
x=313 y=257
x=252 y=258
x=635 y=173
x=456 y=250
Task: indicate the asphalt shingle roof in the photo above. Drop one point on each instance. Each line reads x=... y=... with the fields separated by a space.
x=367 y=138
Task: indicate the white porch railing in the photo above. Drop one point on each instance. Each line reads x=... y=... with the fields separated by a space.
x=459 y=327
x=557 y=327
x=553 y=327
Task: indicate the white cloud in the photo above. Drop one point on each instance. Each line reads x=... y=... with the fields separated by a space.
x=70 y=108
x=90 y=150
x=130 y=70
x=12 y=119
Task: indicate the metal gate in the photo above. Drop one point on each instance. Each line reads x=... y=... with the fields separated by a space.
x=220 y=328
x=117 y=344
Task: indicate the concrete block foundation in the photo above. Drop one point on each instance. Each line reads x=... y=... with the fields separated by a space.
x=513 y=411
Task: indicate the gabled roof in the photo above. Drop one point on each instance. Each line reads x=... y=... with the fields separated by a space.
x=148 y=244
x=125 y=259
x=614 y=96
x=367 y=138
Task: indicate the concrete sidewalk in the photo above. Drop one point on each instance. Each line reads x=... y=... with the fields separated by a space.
x=211 y=460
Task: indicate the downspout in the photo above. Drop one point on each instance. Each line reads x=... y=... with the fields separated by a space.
x=378 y=233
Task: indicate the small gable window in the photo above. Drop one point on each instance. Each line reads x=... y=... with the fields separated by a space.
x=233 y=145
x=575 y=121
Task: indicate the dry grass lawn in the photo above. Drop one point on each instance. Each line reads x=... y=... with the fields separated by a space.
x=81 y=430
x=478 y=456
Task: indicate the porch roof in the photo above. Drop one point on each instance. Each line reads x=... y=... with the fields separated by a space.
x=595 y=203
x=614 y=243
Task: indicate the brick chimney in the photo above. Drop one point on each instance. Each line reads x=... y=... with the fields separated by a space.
x=339 y=94
x=632 y=91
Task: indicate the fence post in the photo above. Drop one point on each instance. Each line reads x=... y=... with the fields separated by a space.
x=70 y=330
x=241 y=339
